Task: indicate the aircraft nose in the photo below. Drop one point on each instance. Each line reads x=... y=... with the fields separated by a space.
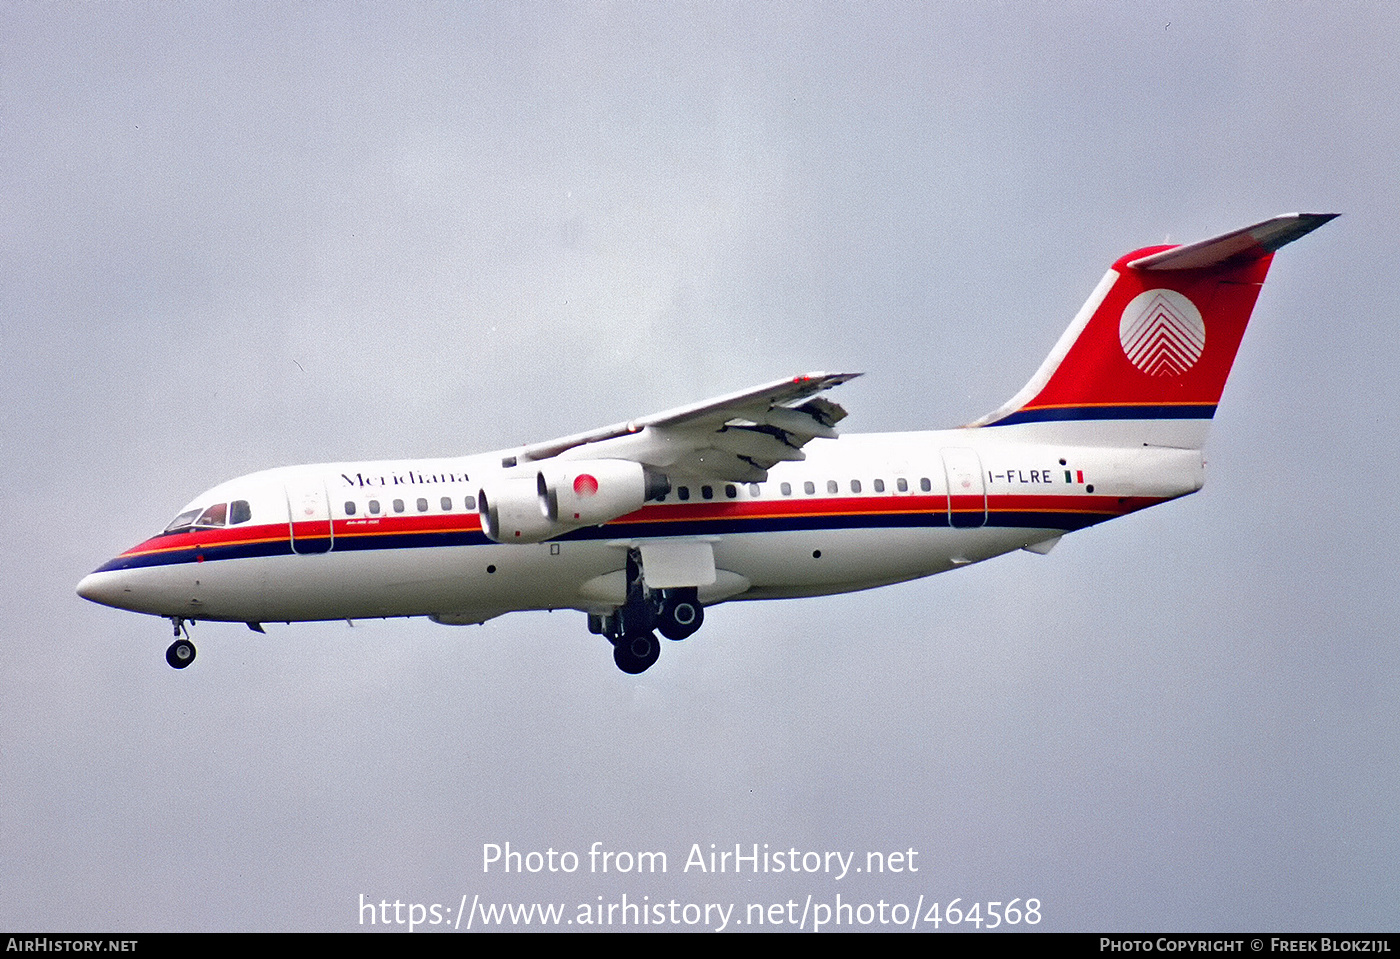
x=102 y=588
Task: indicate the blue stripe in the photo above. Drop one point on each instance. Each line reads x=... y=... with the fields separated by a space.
x=1007 y=519
x=1202 y=411
x=210 y=553
x=310 y=546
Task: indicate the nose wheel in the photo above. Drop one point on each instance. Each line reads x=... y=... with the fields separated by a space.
x=181 y=652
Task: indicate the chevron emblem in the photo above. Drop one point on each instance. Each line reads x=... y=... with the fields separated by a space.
x=1162 y=333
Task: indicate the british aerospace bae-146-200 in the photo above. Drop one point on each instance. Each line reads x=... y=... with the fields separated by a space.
x=748 y=496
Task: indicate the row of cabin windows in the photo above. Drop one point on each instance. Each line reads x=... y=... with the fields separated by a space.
x=399 y=506
x=809 y=488
x=833 y=487
x=708 y=492
x=682 y=493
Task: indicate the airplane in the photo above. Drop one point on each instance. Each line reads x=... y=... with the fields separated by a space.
x=753 y=495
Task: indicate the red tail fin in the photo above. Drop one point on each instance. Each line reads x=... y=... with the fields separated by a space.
x=1154 y=344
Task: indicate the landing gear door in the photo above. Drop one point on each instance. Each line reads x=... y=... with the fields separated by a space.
x=967 y=492
x=310 y=511
x=669 y=563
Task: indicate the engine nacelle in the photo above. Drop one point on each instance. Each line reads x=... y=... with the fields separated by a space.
x=510 y=510
x=577 y=493
x=530 y=507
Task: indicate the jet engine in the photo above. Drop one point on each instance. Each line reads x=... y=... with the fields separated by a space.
x=510 y=510
x=532 y=506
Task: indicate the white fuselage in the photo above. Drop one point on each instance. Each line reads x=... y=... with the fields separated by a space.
x=403 y=538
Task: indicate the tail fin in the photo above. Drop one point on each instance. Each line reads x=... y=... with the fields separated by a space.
x=1146 y=359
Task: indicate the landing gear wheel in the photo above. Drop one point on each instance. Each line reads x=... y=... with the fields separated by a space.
x=635 y=654
x=681 y=618
x=180 y=654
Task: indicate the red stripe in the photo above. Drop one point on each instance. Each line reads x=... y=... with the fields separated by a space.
x=668 y=512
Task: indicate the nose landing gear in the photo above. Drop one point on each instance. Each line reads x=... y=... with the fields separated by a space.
x=181 y=652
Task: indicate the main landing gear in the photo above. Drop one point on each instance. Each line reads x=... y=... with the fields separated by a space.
x=635 y=654
x=181 y=652
x=677 y=613
x=681 y=613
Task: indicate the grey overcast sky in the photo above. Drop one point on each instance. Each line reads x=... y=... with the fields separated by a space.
x=235 y=236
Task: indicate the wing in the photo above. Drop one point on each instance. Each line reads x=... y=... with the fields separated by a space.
x=737 y=437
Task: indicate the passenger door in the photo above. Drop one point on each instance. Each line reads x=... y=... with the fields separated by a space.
x=310 y=515
x=967 y=493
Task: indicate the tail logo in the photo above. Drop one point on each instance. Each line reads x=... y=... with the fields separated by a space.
x=1162 y=333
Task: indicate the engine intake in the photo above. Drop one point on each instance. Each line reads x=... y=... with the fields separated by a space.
x=510 y=510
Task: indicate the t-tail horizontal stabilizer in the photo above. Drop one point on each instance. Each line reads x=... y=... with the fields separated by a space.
x=1146 y=359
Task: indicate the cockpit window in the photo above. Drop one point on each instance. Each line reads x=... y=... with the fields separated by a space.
x=216 y=515
x=213 y=517
x=182 y=522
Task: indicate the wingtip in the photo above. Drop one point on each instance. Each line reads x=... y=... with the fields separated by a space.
x=830 y=379
x=1309 y=220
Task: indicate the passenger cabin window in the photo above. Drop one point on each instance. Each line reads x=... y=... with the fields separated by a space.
x=683 y=493
x=374 y=507
x=855 y=486
x=809 y=487
x=903 y=484
x=831 y=486
x=422 y=504
x=349 y=507
x=730 y=491
x=469 y=502
x=398 y=506
x=447 y=504
x=925 y=485
x=708 y=492
x=879 y=486
x=787 y=489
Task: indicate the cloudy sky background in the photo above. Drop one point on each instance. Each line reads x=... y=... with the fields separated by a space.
x=241 y=236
